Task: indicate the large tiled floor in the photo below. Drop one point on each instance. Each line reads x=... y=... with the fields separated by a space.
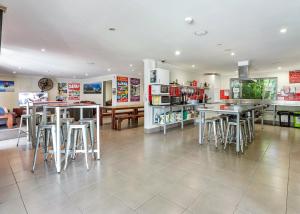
x=153 y=173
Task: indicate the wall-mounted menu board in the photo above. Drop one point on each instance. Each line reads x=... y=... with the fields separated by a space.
x=256 y=88
x=122 y=89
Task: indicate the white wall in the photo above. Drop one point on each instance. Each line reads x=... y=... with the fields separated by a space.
x=25 y=84
x=30 y=84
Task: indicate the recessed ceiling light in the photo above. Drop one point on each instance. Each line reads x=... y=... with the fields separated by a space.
x=14 y=72
x=232 y=53
x=189 y=20
x=112 y=29
x=201 y=33
x=130 y=65
x=86 y=74
x=132 y=70
x=177 y=53
x=279 y=67
x=43 y=49
x=193 y=66
x=283 y=30
x=109 y=69
x=19 y=67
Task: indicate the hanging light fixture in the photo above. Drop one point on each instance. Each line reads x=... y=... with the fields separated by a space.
x=2 y=11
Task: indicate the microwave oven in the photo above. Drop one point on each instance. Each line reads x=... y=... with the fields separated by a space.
x=161 y=100
x=176 y=100
x=159 y=89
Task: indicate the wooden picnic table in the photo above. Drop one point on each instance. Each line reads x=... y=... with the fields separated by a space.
x=115 y=109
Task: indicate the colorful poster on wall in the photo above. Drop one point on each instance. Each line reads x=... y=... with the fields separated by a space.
x=135 y=87
x=92 y=88
x=7 y=86
x=122 y=89
x=74 y=91
x=62 y=89
x=294 y=76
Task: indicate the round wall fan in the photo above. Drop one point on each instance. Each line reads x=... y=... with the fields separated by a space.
x=45 y=84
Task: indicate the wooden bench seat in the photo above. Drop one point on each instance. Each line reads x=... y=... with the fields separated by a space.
x=129 y=117
x=109 y=114
x=120 y=118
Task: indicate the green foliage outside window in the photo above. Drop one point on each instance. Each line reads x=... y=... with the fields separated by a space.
x=261 y=88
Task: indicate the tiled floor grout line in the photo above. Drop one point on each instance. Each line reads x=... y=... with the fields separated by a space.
x=288 y=181
x=18 y=188
x=136 y=209
x=251 y=181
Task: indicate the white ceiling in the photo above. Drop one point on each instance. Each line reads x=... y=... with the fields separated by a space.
x=75 y=33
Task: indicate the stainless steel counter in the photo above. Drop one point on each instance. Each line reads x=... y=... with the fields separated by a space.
x=236 y=110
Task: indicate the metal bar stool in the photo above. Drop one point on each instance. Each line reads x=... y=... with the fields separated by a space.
x=27 y=118
x=49 y=131
x=211 y=124
x=231 y=128
x=75 y=128
x=91 y=126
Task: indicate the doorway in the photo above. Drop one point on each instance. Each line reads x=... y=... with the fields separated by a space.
x=107 y=93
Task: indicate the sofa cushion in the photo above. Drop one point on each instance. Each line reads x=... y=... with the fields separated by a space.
x=2 y=111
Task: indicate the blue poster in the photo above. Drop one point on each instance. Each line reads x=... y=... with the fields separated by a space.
x=92 y=88
x=7 y=86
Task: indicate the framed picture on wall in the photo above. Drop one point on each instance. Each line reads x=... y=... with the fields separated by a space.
x=7 y=86
x=92 y=88
x=153 y=76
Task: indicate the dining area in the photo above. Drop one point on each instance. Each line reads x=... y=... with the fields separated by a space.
x=50 y=129
x=116 y=115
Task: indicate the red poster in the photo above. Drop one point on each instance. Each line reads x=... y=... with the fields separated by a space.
x=122 y=89
x=74 y=91
x=195 y=83
x=294 y=76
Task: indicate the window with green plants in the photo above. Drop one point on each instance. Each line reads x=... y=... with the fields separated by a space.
x=258 y=88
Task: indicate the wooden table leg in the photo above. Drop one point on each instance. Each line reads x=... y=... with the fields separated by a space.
x=136 y=112
x=10 y=121
x=113 y=118
x=101 y=116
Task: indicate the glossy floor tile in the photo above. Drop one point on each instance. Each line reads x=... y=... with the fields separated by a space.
x=156 y=173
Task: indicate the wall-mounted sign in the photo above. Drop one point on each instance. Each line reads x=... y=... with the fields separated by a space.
x=135 y=87
x=74 y=91
x=294 y=76
x=7 y=86
x=122 y=89
x=92 y=88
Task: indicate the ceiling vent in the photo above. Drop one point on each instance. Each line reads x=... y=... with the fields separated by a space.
x=243 y=69
x=2 y=11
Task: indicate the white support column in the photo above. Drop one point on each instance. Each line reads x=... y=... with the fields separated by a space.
x=149 y=64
